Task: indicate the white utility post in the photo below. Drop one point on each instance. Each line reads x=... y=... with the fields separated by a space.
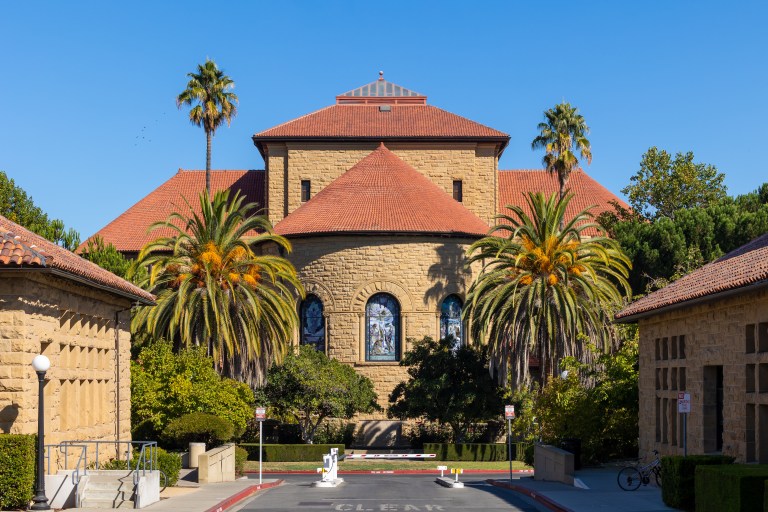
x=509 y=415
x=261 y=415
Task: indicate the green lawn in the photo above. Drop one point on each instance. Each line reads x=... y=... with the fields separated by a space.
x=383 y=465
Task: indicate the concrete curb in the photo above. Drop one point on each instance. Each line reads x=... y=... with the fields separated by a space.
x=245 y=493
x=539 y=498
x=393 y=472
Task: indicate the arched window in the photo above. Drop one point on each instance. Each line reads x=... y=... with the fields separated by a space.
x=450 y=319
x=382 y=328
x=313 y=323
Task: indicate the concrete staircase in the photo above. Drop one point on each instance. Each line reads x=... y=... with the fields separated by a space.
x=108 y=490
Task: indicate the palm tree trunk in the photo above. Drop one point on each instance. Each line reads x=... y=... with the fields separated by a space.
x=208 y=138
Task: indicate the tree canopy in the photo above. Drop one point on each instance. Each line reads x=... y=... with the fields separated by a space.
x=210 y=90
x=17 y=206
x=542 y=283
x=310 y=387
x=664 y=185
x=447 y=384
x=563 y=132
x=219 y=285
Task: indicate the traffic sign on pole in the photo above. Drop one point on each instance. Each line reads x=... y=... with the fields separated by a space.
x=261 y=414
x=683 y=402
x=509 y=412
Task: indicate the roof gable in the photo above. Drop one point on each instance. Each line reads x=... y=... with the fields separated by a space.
x=382 y=193
x=21 y=248
x=130 y=231
x=743 y=267
x=381 y=92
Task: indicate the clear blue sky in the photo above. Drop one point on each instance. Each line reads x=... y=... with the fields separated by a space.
x=89 y=123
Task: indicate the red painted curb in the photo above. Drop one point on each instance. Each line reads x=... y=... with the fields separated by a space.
x=235 y=498
x=540 y=498
x=393 y=472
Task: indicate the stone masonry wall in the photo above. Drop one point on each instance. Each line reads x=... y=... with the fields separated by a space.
x=321 y=163
x=74 y=326
x=680 y=351
x=344 y=272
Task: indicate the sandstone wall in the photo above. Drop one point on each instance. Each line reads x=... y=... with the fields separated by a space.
x=344 y=272
x=681 y=351
x=74 y=326
x=321 y=163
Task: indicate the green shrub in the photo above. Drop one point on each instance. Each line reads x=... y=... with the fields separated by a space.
x=17 y=470
x=334 y=432
x=198 y=427
x=427 y=432
x=241 y=455
x=469 y=451
x=730 y=488
x=290 y=452
x=170 y=464
x=678 y=490
x=528 y=454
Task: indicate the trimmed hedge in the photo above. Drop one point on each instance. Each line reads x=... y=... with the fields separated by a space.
x=198 y=427
x=730 y=488
x=678 y=472
x=241 y=455
x=17 y=470
x=290 y=452
x=167 y=462
x=483 y=452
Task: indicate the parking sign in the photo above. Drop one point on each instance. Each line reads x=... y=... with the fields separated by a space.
x=683 y=403
x=509 y=412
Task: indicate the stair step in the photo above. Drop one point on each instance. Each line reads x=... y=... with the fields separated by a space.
x=108 y=494
x=100 y=503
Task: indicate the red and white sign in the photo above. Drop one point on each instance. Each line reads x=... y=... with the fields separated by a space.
x=509 y=412
x=683 y=403
x=261 y=414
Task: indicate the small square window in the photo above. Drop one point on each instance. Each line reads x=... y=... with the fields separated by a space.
x=458 y=191
x=306 y=190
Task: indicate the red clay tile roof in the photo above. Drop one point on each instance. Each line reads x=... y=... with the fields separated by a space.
x=743 y=267
x=129 y=232
x=367 y=121
x=21 y=248
x=381 y=193
x=514 y=184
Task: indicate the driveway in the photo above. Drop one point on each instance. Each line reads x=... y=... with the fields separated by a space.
x=386 y=492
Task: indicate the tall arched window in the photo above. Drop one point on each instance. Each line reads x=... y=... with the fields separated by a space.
x=450 y=319
x=313 y=323
x=382 y=328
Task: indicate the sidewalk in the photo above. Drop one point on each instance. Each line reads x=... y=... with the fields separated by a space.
x=602 y=493
x=207 y=497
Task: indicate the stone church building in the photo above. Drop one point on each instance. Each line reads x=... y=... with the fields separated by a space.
x=380 y=194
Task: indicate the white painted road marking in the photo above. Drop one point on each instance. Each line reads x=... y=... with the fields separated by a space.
x=389 y=507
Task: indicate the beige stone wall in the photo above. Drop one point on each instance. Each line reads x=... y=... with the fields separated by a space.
x=346 y=271
x=74 y=326
x=321 y=163
x=680 y=351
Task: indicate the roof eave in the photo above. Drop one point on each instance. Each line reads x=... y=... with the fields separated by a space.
x=82 y=280
x=633 y=318
x=318 y=234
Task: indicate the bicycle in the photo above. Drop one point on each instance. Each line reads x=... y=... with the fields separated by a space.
x=631 y=477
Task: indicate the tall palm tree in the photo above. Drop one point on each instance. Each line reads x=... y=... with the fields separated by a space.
x=220 y=284
x=541 y=286
x=210 y=89
x=564 y=127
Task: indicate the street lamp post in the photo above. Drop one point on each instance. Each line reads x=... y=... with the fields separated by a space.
x=40 y=501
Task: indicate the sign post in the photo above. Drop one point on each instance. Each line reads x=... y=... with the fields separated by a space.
x=684 y=407
x=509 y=415
x=261 y=415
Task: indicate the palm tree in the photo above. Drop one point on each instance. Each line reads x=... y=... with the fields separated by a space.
x=220 y=283
x=209 y=88
x=563 y=128
x=542 y=286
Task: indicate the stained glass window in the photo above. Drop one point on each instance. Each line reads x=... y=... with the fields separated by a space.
x=313 y=323
x=382 y=328
x=450 y=319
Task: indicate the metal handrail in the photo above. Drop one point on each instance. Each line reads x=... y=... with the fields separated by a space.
x=82 y=460
x=147 y=454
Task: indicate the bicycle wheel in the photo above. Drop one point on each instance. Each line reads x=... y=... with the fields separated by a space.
x=629 y=479
x=657 y=472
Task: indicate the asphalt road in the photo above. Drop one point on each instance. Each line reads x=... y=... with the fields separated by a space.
x=387 y=492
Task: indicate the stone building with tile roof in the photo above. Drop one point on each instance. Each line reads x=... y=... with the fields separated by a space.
x=380 y=194
x=55 y=303
x=706 y=334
